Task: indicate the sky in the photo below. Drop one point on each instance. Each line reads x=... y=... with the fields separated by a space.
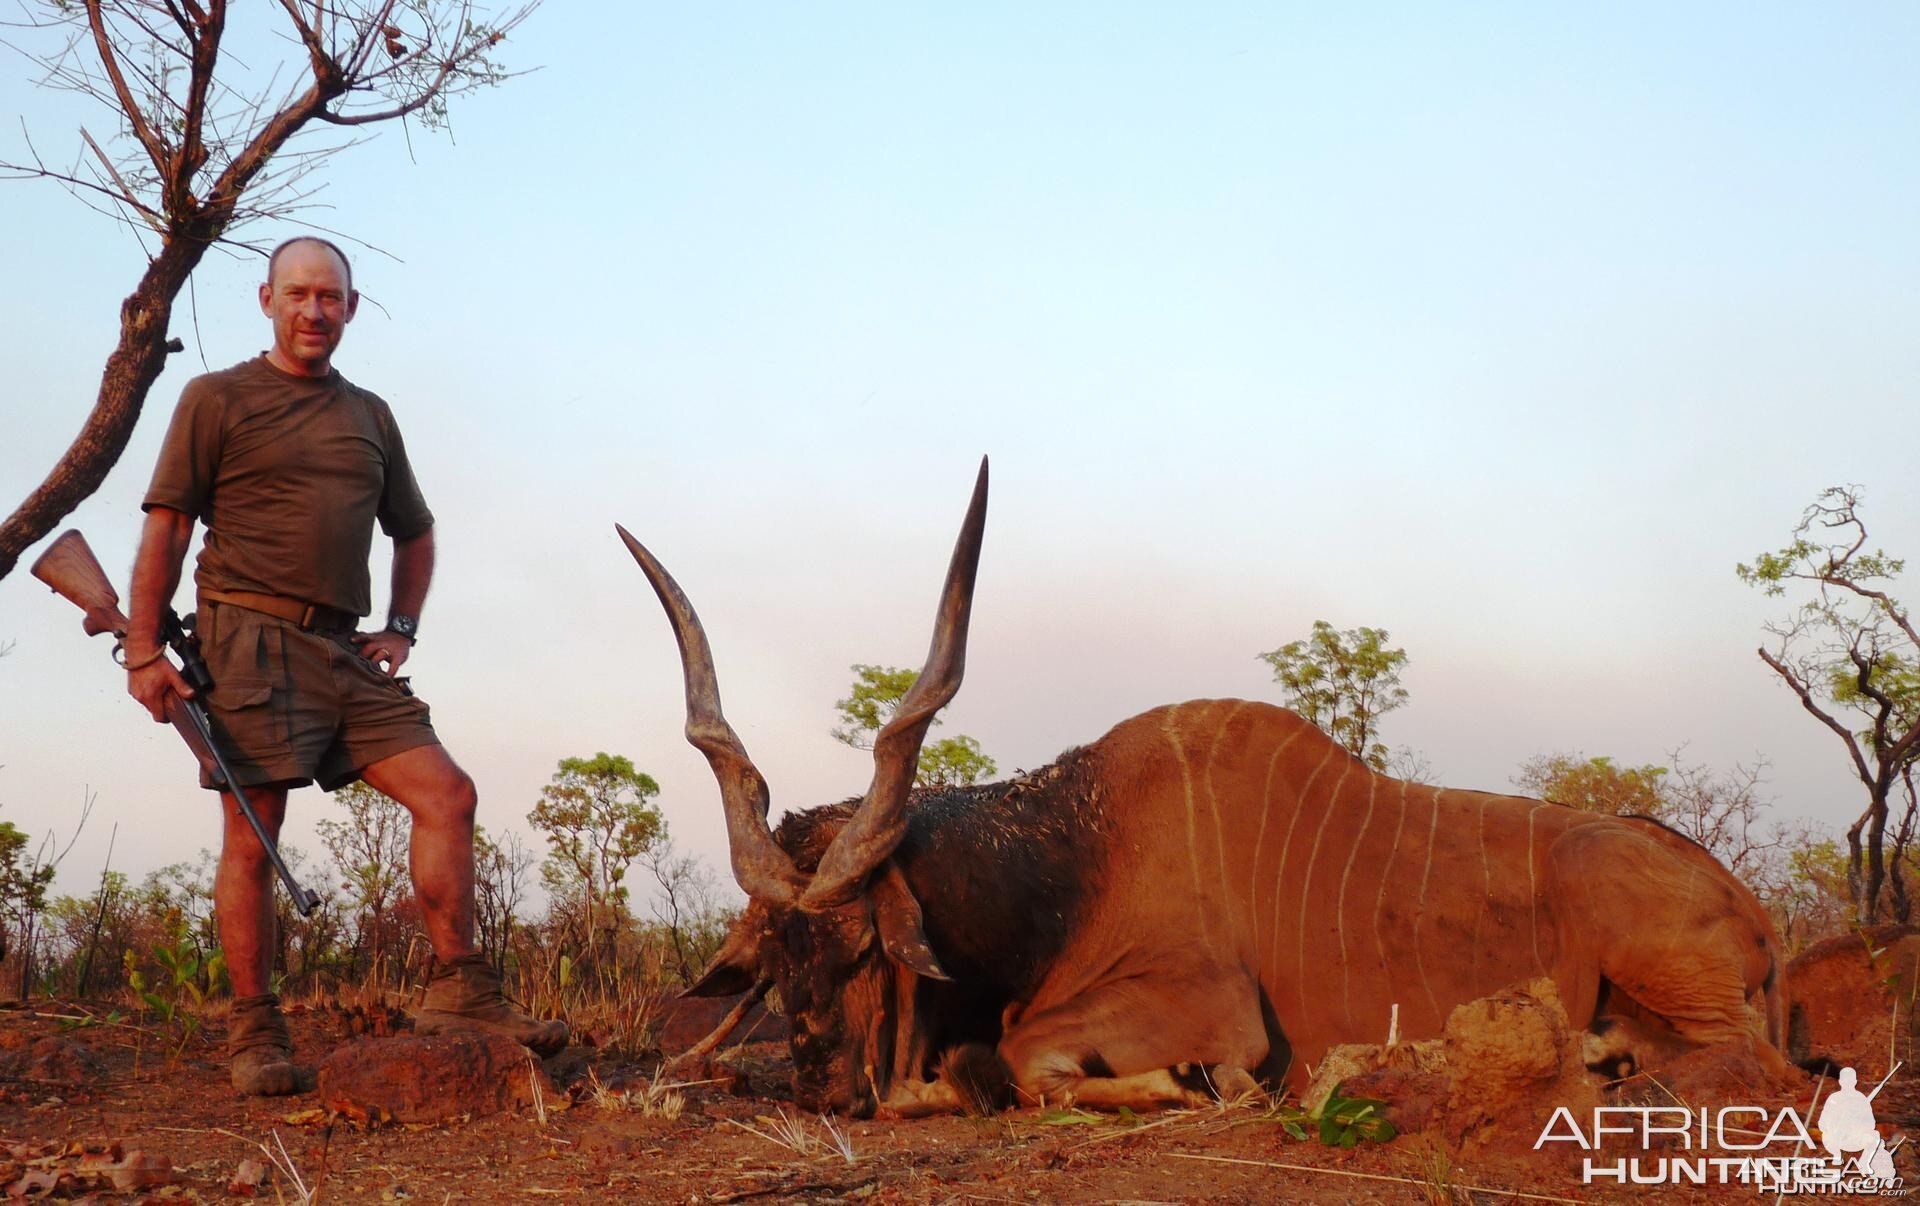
x=1507 y=328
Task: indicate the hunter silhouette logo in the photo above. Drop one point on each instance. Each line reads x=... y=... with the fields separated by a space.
x=1767 y=1149
x=1846 y=1124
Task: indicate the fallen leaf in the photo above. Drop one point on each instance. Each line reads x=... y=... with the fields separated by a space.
x=248 y=1179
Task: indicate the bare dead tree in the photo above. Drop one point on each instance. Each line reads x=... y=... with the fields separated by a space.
x=500 y=883
x=201 y=146
x=1723 y=811
x=684 y=907
x=1851 y=655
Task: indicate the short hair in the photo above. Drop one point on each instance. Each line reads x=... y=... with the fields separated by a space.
x=273 y=257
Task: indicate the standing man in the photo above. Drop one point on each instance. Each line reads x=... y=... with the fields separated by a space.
x=289 y=465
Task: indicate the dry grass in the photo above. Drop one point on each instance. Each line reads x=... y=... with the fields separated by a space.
x=533 y=1087
x=655 y=1099
x=790 y=1132
x=622 y=1009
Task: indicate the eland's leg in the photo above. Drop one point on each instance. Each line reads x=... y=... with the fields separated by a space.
x=1141 y=1043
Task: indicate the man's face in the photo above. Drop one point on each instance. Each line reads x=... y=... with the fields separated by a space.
x=310 y=305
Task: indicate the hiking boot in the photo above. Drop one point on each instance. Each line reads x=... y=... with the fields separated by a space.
x=464 y=996
x=259 y=1049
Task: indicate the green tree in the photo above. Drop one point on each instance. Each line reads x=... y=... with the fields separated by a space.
x=597 y=818
x=1343 y=682
x=1594 y=784
x=23 y=889
x=1849 y=652
x=871 y=703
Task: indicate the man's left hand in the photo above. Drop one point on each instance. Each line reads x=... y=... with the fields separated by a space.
x=386 y=650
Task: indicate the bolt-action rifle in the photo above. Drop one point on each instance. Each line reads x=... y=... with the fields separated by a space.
x=71 y=569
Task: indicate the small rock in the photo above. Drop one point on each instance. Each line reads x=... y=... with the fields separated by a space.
x=436 y=1078
x=53 y=1059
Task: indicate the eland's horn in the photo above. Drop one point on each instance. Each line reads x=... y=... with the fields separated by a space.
x=762 y=869
x=881 y=820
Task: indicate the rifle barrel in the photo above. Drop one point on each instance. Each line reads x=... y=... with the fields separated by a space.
x=303 y=900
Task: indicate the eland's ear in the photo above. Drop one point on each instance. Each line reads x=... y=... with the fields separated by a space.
x=896 y=914
x=733 y=970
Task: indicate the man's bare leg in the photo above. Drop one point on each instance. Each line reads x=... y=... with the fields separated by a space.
x=243 y=889
x=465 y=993
x=259 y=1049
x=441 y=799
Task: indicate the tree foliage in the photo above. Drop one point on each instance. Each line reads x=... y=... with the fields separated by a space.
x=1850 y=653
x=597 y=817
x=199 y=145
x=23 y=886
x=1594 y=784
x=1343 y=682
x=871 y=702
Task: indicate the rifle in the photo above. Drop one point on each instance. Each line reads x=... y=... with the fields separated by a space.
x=71 y=569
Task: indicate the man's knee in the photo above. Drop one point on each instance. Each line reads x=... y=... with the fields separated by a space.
x=465 y=797
x=452 y=801
x=238 y=840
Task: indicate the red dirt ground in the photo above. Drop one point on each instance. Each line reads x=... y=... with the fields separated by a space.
x=182 y=1109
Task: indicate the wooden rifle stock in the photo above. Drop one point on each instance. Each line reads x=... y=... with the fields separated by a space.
x=74 y=573
x=71 y=569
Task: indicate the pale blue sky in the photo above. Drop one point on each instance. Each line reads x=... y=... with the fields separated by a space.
x=1507 y=328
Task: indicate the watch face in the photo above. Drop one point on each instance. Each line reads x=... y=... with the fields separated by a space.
x=404 y=625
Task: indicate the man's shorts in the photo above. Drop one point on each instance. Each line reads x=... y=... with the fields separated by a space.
x=291 y=706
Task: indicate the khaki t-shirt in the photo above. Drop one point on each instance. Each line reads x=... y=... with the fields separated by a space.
x=288 y=474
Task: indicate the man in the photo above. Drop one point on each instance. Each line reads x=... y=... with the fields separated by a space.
x=289 y=465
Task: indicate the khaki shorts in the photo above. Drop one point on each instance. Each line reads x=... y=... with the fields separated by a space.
x=290 y=706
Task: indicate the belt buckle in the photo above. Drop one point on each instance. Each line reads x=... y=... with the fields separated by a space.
x=306 y=618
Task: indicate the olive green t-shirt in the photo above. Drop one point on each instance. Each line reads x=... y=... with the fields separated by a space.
x=288 y=474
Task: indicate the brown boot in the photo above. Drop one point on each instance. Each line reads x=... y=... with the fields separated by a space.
x=465 y=996
x=259 y=1050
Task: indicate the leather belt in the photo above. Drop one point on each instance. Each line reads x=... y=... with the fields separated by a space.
x=312 y=617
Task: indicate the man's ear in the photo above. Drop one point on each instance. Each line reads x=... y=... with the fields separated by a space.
x=353 y=304
x=896 y=914
x=266 y=300
x=733 y=970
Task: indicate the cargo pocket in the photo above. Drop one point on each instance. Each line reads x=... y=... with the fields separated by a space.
x=250 y=723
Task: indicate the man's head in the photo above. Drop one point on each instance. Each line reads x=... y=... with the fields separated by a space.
x=1848 y=1078
x=309 y=296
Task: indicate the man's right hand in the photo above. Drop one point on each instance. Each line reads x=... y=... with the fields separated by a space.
x=155 y=684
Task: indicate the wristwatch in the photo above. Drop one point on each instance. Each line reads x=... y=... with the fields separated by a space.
x=406 y=626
